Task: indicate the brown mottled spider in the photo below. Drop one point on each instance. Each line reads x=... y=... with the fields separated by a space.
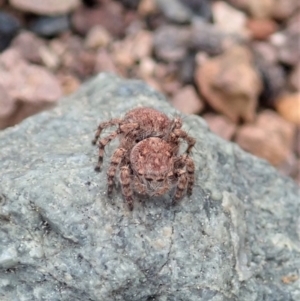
x=148 y=155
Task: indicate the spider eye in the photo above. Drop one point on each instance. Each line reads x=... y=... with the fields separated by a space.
x=160 y=180
x=149 y=179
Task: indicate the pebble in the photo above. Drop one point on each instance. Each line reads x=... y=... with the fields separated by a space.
x=29 y=46
x=7 y=108
x=288 y=106
x=294 y=79
x=110 y=15
x=68 y=82
x=187 y=69
x=97 y=37
x=260 y=8
x=50 y=26
x=187 y=100
x=146 y=67
x=49 y=7
x=142 y=44
x=201 y=8
x=284 y=9
x=209 y=38
x=287 y=42
x=222 y=12
x=73 y=57
x=274 y=81
x=122 y=54
x=261 y=29
x=220 y=125
x=231 y=84
x=104 y=62
x=147 y=7
x=84 y=64
x=49 y=58
x=9 y=26
x=32 y=87
x=90 y=3
x=131 y=4
x=171 y=42
x=265 y=51
x=270 y=137
x=175 y=10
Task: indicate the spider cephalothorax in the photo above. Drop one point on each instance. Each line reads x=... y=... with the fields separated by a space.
x=141 y=123
x=148 y=155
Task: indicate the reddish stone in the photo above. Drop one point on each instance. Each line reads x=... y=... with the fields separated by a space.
x=187 y=100
x=261 y=29
x=269 y=137
x=110 y=15
x=97 y=37
x=104 y=62
x=231 y=84
x=220 y=125
x=32 y=88
x=147 y=7
x=288 y=106
x=29 y=46
x=142 y=43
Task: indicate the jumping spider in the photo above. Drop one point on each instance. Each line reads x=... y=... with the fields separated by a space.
x=148 y=155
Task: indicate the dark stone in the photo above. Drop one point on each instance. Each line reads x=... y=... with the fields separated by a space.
x=274 y=80
x=90 y=3
x=171 y=42
x=50 y=26
x=132 y=4
x=201 y=8
x=205 y=37
x=9 y=27
x=187 y=69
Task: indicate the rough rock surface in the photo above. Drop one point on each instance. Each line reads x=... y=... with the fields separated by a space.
x=236 y=238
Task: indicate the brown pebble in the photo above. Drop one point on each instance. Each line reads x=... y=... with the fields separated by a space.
x=269 y=137
x=261 y=29
x=288 y=106
x=187 y=100
x=220 y=125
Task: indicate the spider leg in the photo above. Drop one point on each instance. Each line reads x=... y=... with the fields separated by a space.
x=125 y=180
x=102 y=143
x=138 y=186
x=190 y=168
x=103 y=125
x=181 y=185
x=115 y=161
x=179 y=133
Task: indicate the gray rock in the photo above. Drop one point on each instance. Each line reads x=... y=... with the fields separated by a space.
x=175 y=11
x=171 y=42
x=236 y=238
x=50 y=26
